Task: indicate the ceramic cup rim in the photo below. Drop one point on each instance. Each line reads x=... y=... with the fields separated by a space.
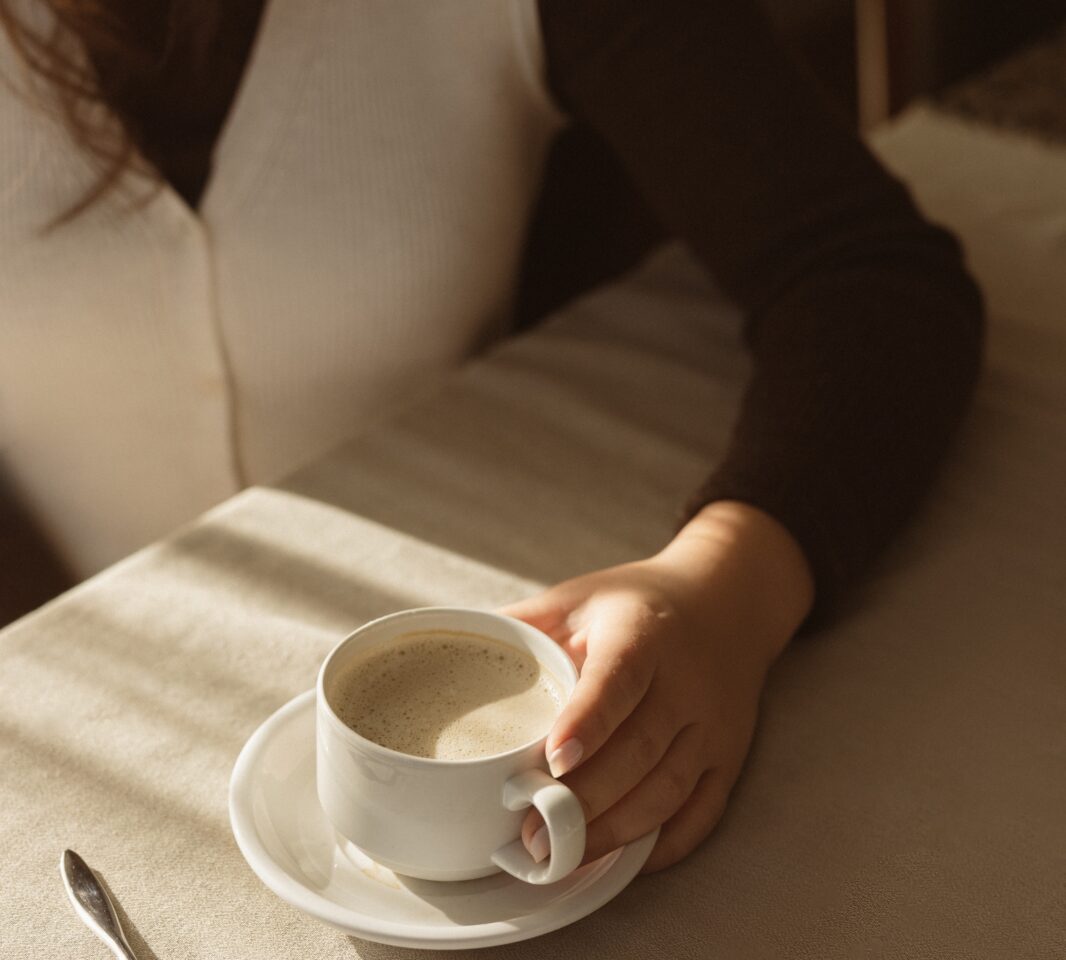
x=325 y=708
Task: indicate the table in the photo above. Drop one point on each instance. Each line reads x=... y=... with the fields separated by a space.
x=906 y=795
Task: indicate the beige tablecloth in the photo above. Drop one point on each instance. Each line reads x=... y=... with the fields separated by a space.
x=906 y=796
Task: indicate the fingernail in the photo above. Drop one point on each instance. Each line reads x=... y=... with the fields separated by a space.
x=565 y=757
x=539 y=844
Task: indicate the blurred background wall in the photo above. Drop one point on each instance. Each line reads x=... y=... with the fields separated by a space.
x=874 y=56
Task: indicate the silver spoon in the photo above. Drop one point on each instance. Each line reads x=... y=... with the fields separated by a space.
x=93 y=905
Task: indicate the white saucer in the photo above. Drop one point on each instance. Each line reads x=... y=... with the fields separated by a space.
x=286 y=839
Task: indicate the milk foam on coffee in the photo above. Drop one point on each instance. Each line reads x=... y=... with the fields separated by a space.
x=447 y=695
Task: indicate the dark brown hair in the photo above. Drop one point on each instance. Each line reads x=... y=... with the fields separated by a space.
x=131 y=43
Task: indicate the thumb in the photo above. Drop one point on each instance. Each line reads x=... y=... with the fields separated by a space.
x=613 y=680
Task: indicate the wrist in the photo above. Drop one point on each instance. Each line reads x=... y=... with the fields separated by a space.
x=737 y=547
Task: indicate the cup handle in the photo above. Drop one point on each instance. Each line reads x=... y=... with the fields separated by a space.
x=562 y=813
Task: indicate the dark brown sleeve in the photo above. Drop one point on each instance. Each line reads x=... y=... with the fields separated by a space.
x=864 y=327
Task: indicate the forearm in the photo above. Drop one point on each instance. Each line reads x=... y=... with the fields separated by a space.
x=850 y=409
x=864 y=327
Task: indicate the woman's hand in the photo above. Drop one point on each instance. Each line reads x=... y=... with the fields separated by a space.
x=672 y=653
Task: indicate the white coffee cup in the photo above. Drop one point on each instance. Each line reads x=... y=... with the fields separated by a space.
x=445 y=819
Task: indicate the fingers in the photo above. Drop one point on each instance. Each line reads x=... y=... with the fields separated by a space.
x=690 y=826
x=543 y=611
x=679 y=795
x=643 y=774
x=609 y=689
x=653 y=800
x=552 y=613
x=631 y=753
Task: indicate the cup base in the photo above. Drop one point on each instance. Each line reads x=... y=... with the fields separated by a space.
x=384 y=871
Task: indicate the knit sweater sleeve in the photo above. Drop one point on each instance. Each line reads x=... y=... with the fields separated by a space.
x=865 y=329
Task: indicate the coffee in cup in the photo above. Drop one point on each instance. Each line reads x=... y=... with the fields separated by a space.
x=447 y=695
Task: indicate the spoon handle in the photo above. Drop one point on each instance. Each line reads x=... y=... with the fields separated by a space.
x=93 y=905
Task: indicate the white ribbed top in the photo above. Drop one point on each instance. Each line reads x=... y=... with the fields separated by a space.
x=359 y=236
